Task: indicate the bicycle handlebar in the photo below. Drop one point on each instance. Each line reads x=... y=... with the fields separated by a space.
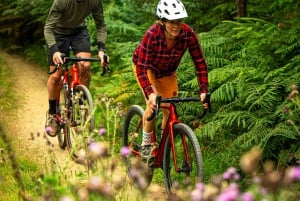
x=159 y=100
x=105 y=69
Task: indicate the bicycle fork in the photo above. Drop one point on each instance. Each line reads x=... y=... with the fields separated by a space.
x=186 y=166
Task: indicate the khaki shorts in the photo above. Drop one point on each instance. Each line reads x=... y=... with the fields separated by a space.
x=166 y=86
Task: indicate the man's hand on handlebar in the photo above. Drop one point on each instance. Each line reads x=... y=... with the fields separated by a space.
x=57 y=58
x=103 y=58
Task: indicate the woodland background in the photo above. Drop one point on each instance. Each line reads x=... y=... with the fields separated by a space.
x=252 y=51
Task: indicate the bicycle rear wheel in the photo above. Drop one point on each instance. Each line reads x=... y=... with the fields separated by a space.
x=188 y=159
x=82 y=120
x=138 y=172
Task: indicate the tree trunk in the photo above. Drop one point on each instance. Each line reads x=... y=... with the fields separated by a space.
x=241 y=8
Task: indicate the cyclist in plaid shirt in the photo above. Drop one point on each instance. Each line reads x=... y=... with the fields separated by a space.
x=157 y=57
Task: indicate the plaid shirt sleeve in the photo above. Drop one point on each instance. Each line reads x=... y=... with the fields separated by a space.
x=143 y=57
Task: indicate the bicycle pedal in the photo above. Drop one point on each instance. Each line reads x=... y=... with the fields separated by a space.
x=136 y=146
x=149 y=161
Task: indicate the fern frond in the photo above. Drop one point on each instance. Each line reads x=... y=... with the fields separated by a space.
x=281 y=130
x=224 y=93
x=251 y=138
x=210 y=130
x=263 y=97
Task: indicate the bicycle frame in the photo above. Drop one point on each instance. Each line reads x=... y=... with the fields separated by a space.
x=168 y=130
x=70 y=85
x=77 y=101
x=74 y=75
x=158 y=152
x=176 y=151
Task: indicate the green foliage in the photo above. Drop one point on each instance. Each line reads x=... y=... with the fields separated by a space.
x=252 y=63
x=248 y=100
x=22 y=21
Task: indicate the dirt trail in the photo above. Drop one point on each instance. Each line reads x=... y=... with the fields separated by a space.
x=29 y=119
x=30 y=116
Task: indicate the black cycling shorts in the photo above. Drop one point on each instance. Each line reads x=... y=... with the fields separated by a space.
x=77 y=42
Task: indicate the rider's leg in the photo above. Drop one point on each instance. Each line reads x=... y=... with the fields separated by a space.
x=167 y=87
x=53 y=89
x=147 y=126
x=53 y=82
x=85 y=69
x=81 y=47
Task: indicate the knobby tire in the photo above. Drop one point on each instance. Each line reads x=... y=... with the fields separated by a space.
x=140 y=175
x=191 y=173
x=62 y=106
x=82 y=120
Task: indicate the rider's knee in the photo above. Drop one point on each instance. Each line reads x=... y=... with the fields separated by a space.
x=85 y=71
x=55 y=79
x=166 y=113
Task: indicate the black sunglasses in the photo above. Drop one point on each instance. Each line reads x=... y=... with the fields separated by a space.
x=174 y=21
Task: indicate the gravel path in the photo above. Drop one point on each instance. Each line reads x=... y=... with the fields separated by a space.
x=28 y=120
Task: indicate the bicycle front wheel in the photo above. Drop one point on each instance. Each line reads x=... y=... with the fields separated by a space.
x=183 y=166
x=82 y=120
x=138 y=172
x=61 y=108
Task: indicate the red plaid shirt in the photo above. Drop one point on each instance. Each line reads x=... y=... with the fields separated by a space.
x=152 y=53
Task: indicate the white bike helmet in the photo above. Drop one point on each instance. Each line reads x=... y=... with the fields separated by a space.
x=171 y=10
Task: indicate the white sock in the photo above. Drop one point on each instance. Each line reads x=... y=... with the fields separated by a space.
x=146 y=138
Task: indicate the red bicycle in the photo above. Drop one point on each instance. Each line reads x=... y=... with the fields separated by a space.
x=74 y=105
x=177 y=151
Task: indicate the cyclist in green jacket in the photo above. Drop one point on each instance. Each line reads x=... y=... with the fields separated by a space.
x=65 y=29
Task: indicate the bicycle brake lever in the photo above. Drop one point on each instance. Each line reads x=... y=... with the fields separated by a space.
x=158 y=100
x=55 y=69
x=155 y=112
x=105 y=68
x=152 y=116
x=206 y=100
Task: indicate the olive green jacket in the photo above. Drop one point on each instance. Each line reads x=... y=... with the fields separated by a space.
x=68 y=16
